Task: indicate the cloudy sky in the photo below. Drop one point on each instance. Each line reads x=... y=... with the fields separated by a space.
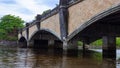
x=26 y=9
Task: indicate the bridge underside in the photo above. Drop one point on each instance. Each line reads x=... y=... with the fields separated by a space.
x=44 y=40
x=107 y=26
x=22 y=42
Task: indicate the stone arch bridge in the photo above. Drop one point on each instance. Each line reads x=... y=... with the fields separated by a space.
x=74 y=20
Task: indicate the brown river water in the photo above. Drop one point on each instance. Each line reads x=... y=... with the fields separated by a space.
x=29 y=58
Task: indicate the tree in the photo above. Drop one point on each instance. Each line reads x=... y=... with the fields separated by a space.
x=9 y=24
x=46 y=12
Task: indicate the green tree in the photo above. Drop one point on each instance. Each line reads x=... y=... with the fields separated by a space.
x=97 y=42
x=9 y=24
x=46 y=11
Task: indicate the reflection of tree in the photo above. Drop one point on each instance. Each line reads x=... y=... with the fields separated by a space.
x=97 y=56
x=92 y=54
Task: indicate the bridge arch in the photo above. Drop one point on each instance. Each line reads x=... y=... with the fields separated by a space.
x=45 y=30
x=94 y=21
x=45 y=38
x=22 y=42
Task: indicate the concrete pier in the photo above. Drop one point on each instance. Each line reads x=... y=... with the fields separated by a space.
x=70 y=48
x=109 y=47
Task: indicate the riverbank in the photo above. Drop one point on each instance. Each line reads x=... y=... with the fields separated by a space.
x=100 y=47
x=6 y=43
x=95 y=47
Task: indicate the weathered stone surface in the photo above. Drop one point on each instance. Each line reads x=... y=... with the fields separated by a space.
x=24 y=34
x=19 y=36
x=32 y=30
x=52 y=23
x=85 y=10
x=79 y=14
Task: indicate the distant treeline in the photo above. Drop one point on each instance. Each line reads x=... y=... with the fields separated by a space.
x=99 y=42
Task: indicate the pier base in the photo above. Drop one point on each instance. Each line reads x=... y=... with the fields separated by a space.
x=109 y=47
x=70 y=48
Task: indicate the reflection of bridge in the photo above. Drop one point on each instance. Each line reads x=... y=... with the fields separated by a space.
x=85 y=20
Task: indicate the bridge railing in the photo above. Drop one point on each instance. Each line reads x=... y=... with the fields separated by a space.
x=73 y=2
x=49 y=14
x=42 y=17
x=52 y=12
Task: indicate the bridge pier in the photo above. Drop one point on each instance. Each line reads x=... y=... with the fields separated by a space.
x=30 y=44
x=58 y=45
x=70 y=48
x=51 y=44
x=109 y=47
x=55 y=45
x=85 y=44
x=22 y=44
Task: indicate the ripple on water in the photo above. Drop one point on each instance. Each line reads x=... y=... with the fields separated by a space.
x=27 y=58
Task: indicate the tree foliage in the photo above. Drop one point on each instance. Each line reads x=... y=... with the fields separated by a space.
x=100 y=42
x=9 y=24
x=97 y=42
x=46 y=12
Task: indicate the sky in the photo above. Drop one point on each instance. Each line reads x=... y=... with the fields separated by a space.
x=26 y=9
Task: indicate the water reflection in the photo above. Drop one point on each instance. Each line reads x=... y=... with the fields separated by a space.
x=108 y=63
x=29 y=58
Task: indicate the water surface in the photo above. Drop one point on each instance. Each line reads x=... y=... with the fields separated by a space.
x=29 y=58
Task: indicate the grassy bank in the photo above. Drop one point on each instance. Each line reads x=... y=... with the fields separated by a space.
x=98 y=43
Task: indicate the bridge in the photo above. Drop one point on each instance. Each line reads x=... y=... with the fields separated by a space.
x=75 y=20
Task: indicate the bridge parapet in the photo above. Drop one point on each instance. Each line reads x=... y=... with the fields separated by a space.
x=73 y=2
x=51 y=13
x=40 y=21
x=40 y=18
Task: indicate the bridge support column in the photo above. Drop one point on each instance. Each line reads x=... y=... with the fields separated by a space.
x=51 y=44
x=85 y=41
x=58 y=45
x=85 y=46
x=22 y=44
x=71 y=47
x=109 y=47
x=63 y=17
x=30 y=44
x=55 y=44
x=27 y=30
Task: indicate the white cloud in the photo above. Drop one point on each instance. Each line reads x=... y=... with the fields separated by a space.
x=32 y=5
x=26 y=9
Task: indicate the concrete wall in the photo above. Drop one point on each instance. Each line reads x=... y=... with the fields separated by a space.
x=52 y=24
x=85 y=10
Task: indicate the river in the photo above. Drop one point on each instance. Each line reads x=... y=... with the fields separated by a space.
x=29 y=58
